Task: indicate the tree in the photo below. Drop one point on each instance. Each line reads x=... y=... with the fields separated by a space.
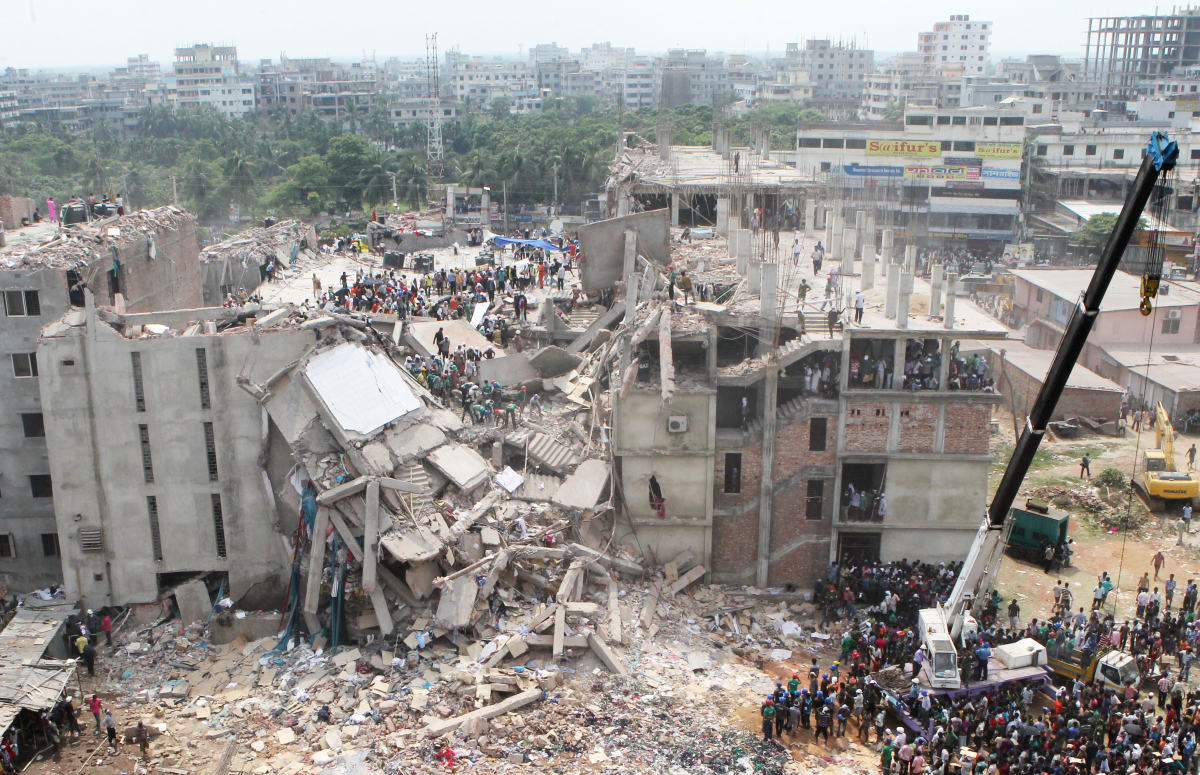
x=1094 y=232
x=94 y=176
x=894 y=112
x=198 y=185
x=500 y=107
x=375 y=182
x=413 y=179
x=240 y=178
x=348 y=156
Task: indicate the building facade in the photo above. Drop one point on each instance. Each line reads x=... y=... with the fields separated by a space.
x=957 y=45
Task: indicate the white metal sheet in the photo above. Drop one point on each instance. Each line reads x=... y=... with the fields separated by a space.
x=364 y=390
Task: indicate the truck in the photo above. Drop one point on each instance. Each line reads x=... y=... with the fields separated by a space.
x=1109 y=668
x=1160 y=483
x=953 y=620
x=1033 y=527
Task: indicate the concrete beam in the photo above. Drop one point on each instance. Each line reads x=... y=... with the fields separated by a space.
x=515 y=702
x=344 y=490
x=402 y=486
x=316 y=561
x=371 y=539
x=666 y=362
x=614 y=663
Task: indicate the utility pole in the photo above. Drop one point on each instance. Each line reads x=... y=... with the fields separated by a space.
x=506 y=208
x=174 y=192
x=394 y=203
x=554 y=209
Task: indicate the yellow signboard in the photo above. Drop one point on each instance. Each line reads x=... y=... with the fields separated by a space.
x=943 y=172
x=998 y=150
x=904 y=148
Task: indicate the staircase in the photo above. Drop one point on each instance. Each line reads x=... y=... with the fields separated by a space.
x=796 y=409
x=415 y=473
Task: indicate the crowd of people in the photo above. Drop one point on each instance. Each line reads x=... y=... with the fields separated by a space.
x=1109 y=725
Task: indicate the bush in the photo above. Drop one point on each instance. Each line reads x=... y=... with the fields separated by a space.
x=1112 y=479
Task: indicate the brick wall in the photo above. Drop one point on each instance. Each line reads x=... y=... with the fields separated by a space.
x=1086 y=402
x=791 y=447
x=170 y=280
x=735 y=517
x=918 y=426
x=968 y=429
x=799 y=545
x=13 y=209
x=867 y=426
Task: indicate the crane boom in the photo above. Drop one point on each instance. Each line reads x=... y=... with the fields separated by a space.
x=984 y=556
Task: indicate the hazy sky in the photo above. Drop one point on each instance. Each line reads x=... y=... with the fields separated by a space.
x=85 y=33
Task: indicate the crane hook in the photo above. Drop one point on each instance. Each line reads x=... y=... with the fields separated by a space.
x=1145 y=307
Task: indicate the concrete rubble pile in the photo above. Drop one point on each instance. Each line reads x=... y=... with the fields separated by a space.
x=282 y=241
x=78 y=244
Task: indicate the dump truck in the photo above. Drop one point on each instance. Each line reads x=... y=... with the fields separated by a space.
x=1033 y=527
x=1160 y=483
x=1109 y=668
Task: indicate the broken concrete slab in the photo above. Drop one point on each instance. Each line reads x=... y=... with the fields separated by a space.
x=461 y=465
x=597 y=328
x=457 y=604
x=551 y=361
x=193 y=601
x=412 y=544
x=420 y=576
x=687 y=579
x=508 y=371
x=603 y=242
x=584 y=488
x=414 y=441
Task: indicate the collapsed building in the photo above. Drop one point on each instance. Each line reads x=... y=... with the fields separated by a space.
x=139 y=263
x=238 y=265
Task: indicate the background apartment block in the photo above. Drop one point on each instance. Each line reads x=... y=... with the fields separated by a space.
x=957 y=45
x=210 y=75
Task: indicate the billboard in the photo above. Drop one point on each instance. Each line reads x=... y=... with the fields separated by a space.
x=904 y=148
x=998 y=150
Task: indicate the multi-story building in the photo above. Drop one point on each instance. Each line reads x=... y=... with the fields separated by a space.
x=1124 y=51
x=903 y=80
x=36 y=291
x=141 y=68
x=689 y=76
x=9 y=109
x=604 y=56
x=210 y=75
x=959 y=44
x=476 y=82
x=949 y=177
x=634 y=85
x=838 y=71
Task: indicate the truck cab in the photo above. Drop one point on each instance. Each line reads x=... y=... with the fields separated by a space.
x=942 y=665
x=1110 y=669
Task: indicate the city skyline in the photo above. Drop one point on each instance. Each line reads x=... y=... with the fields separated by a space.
x=271 y=27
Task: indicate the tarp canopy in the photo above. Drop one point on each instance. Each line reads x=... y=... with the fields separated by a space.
x=536 y=243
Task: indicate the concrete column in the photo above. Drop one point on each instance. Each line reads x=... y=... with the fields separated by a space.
x=898 y=364
x=710 y=359
x=910 y=259
x=450 y=214
x=674 y=209
x=743 y=251
x=810 y=218
x=849 y=239
x=754 y=277
x=868 y=266
x=905 y=287
x=631 y=276
x=485 y=210
x=885 y=254
x=769 y=292
x=766 y=492
x=833 y=248
x=951 y=295
x=893 y=292
x=943 y=375
x=722 y=224
x=732 y=236
x=860 y=226
x=935 y=291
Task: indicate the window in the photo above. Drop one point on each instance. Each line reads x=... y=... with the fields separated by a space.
x=990 y=120
x=964 y=145
x=50 y=545
x=1068 y=150
x=139 y=391
x=202 y=369
x=817 y=428
x=1118 y=153
x=810 y=142
x=858 y=144
x=24 y=365
x=833 y=142
x=1042 y=150
x=919 y=120
x=40 y=486
x=943 y=120
x=219 y=523
x=1170 y=326
x=8 y=546
x=1012 y=120
x=147 y=459
x=1037 y=108
x=155 y=536
x=35 y=427
x=1089 y=150
x=210 y=447
x=1039 y=294
x=91 y=539
x=22 y=304
x=814 y=505
x=1196 y=153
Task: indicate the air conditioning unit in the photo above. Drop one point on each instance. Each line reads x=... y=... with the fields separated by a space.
x=677 y=424
x=1174 y=314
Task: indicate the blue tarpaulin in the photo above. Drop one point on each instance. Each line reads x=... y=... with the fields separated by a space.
x=536 y=243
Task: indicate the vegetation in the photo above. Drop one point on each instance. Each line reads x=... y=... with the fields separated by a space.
x=303 y=164
x=1094 y=233
x=1113 y=479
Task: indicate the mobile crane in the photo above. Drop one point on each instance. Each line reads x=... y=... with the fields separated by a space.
x=946 y=623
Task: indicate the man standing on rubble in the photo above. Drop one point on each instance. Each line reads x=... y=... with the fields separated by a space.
x=95 y=707
x=824 y=721
x=768 y=718
x=110 y=726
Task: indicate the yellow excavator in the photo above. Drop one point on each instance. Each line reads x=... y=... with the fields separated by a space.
x=1160 y=482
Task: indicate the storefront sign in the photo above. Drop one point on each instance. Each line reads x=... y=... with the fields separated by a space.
x=904 y=148
x=998 y=150
x=943 y=172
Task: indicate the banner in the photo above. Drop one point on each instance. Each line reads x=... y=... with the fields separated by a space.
x=998 y=150
x=873 y=171
x=906 y=148
x=943 y=172
x=1019 y=252
x=1002 y=174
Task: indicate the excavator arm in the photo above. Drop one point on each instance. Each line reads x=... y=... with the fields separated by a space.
x=1166 y=436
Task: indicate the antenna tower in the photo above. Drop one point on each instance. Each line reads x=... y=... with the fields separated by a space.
x=433 y=146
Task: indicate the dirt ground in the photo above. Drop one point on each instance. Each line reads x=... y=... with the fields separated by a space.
x=1124 y=554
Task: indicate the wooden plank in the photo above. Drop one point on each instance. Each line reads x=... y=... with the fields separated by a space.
x=343 y=490
x=441 y=727
x=371 y=539
x=560 y=630
x=316 y=561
